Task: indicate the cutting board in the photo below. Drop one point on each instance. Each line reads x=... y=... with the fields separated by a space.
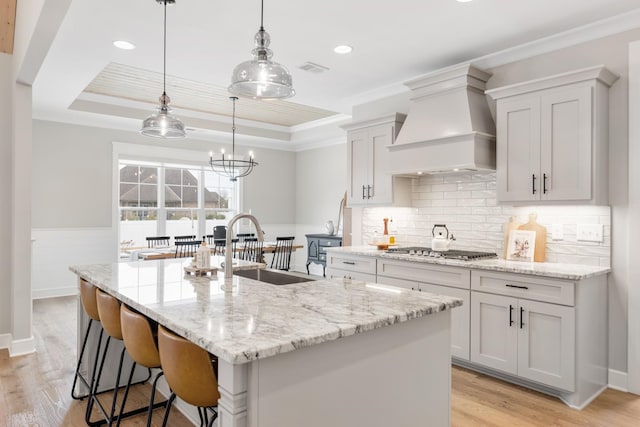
x=513 y=224
x=540 y=252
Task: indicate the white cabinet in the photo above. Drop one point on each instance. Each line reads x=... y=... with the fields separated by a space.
x=369 y=179
x=530 y=339
x=441 y=280
x=552 y=138
x=346 y=266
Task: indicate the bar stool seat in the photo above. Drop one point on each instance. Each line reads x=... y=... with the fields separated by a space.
x=190 y=373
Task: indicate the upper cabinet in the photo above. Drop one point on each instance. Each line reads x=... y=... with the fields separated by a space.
x=369 y=178
x=552 y=138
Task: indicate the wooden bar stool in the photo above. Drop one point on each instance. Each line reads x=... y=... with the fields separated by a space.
x=90 y=306
x=190 y=373
x=140 y=334
x=109 y=311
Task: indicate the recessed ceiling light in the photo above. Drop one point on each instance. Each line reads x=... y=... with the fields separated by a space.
x=342 y=49
x=122 y=44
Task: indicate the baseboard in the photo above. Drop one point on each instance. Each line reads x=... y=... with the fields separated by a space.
x=5 y=340
x=618 y=380
x=55 y=292
x=22 y=347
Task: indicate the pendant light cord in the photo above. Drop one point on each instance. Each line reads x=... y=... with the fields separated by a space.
x=262 y=15
x=233 y=136
x=164 y=69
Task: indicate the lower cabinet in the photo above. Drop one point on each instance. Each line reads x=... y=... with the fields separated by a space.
x=459 y=315
x=530 y=339
x=346 y=266
x=333 y=273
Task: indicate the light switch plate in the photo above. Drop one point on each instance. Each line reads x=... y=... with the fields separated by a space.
x=590 y=232
x=557 y=232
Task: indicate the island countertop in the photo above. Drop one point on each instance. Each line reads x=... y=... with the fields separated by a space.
x=544 y=269
x=241 y=320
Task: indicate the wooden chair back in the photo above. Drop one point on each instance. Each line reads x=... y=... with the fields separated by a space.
x=282 y=253
x=186 y=248
x=152 y=242
x=184 y=238
x=252 y=250
x=220 y=232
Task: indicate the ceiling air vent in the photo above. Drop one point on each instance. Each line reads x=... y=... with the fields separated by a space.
x=313 y=67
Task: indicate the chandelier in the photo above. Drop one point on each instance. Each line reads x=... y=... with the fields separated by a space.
x=230 y=166
x=162 y=124
x=261 y=78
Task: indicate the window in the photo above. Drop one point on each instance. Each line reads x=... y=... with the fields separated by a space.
x=167 y=199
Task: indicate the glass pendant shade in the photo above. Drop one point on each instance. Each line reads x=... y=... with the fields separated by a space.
x=261 y=78
x=162 y=124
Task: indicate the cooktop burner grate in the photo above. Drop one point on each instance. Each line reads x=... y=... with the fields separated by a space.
x=450 y=254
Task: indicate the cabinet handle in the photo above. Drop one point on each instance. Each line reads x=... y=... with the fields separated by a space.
x=510 y=315
x=349 y=262
x=521 y=317
x=363 y=196
x=369 y=188
x=516 y=286
x=544 y=183
x=533 y=183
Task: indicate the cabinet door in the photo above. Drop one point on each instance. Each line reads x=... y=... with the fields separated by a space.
x=546 y=344
x=379 y=178
x=565 y=148
x=312 y=249
x=518 y=149
x=460 y=318
x=335 y=273
x=358 y=160
x=494 y=333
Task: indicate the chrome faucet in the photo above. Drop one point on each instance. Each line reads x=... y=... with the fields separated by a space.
x=228 y=252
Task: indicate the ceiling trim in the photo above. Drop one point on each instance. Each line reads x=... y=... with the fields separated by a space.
x=596 y=30
x=7 y=25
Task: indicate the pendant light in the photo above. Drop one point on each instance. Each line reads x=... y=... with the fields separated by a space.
x=261 y=78
x=230 y=167
x=162 y=124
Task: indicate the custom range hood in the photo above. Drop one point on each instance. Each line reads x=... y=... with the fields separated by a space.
x=449 y=127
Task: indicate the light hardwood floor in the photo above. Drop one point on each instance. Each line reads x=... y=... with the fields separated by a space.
x=34 y=389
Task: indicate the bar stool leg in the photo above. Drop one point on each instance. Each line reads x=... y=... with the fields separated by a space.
x=95 y=380
x=166 y=413
x=78 y=374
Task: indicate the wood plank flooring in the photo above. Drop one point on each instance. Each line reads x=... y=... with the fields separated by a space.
x=34 y=389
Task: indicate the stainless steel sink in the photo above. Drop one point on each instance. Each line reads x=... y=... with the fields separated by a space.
x=273 y=277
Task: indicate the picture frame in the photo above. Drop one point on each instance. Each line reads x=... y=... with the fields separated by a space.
x=521 y=245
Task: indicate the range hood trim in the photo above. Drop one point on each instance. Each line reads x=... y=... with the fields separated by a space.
x=443 y=140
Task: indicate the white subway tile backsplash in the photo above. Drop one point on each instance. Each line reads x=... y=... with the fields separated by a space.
x=466 y=202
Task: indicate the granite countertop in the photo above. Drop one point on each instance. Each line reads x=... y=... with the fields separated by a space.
x=241 y=320
x=544 y=269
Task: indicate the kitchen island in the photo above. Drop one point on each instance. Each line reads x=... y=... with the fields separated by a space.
x=322 y=353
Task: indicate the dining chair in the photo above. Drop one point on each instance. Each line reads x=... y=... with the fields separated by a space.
x=243 y=236
x=186 y=248
x=282 y=253
x=252 y=250
x=152 y=242
x=190 y=372
x=209 y=238
x=218 y=247
x=184 y=238
x=220 y=232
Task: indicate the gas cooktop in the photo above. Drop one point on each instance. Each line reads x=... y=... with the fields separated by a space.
x=450 y=254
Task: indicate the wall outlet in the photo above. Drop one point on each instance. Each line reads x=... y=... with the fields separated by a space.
x=557 y=232
x=590 y=232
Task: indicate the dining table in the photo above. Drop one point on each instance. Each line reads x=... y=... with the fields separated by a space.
x=164 y=252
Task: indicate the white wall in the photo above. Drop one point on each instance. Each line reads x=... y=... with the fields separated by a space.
x=5 y=194
x=321 y=178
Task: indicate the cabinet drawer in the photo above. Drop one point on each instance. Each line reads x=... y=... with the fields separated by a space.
x=524 y=286
x=351 y=263
x=329 y=242
x=425 y=273
x=335 y=273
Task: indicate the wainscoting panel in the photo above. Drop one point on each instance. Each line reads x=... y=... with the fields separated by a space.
x=54 y=250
